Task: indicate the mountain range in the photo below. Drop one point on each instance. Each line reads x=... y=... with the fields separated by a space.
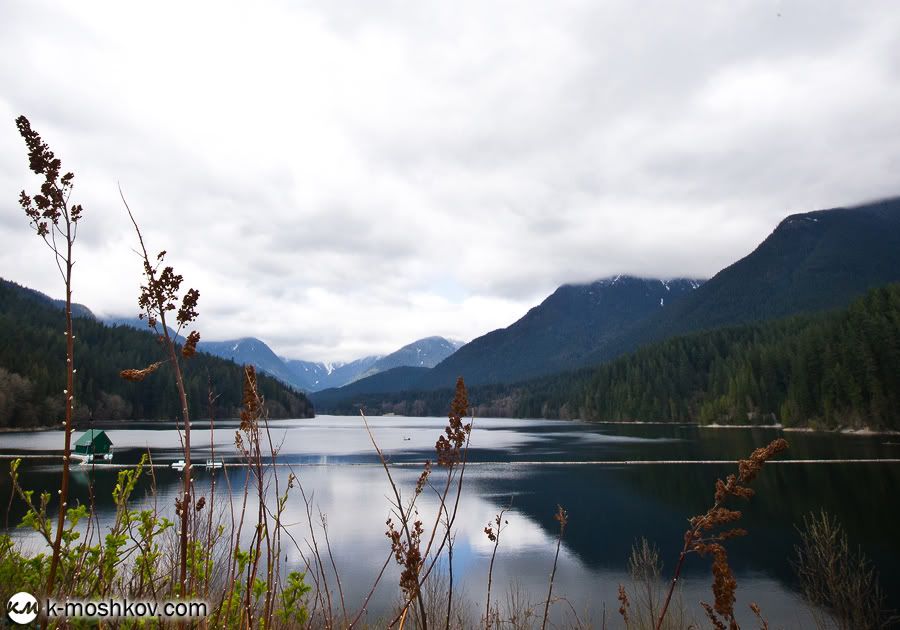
x=311 y=376
x=811 y=262
x=305 y=376
x=560 y=333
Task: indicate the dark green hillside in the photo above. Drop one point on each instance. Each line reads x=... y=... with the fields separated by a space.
x=811 y=262
x=32 y=356
x=78 y=310
x=838 y=369
x=561 y=332
x=404 y=378
x=827 y=370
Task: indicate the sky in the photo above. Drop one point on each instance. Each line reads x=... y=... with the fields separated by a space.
x=341 y=178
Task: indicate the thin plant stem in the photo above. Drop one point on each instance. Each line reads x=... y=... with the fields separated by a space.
x=186 y=419
x=562 y=518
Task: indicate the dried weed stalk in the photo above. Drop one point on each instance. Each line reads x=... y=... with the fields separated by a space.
x=55 y=221
x=160 y=296
x=416 y=549
x=493 y=530
x=708 y=533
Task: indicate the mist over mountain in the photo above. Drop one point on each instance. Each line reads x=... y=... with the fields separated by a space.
x=139 y=324
x=811 y=262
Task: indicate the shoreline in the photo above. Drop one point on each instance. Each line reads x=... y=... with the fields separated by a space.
x=776 y=427
x=845 y=431
x=865 y=431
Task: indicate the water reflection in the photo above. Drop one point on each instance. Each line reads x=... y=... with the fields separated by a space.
x=609 y=505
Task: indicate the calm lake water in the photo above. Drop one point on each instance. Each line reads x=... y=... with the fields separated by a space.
x=533 y=465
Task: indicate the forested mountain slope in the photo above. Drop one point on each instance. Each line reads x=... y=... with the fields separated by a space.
x=32 y=356
x=811 y=262
x=561 y=332
x=835 y=369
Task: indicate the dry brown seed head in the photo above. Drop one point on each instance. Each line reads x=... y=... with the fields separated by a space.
x=190 y=346
x=713 y=618
x=561 y=517
x=139 y=375
x=624 y=604
x=423 y=478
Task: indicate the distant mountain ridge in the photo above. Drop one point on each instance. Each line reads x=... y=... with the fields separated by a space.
x=309 y=376
x=315 y=376
x=249 y=350
x=833 y=369
x=427 y=353
x=422 y=353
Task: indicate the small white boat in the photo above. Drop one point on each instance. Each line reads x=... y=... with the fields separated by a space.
x=179 y=465
x=91 y=458
x=215 y=463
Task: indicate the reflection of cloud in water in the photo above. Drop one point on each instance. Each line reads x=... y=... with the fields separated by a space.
x=520 y=535
x=363 y=494
x=356 y=501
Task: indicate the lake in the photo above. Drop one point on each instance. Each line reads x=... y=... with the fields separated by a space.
x=619 y=482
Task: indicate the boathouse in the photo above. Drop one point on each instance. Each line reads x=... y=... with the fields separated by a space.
x=94 y=444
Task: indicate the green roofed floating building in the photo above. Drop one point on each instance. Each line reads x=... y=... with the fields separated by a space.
x=93 y=445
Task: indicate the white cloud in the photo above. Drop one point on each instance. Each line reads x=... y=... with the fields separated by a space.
x=341 y=178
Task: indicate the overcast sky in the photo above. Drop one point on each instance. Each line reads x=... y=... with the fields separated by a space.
x=340 y=178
